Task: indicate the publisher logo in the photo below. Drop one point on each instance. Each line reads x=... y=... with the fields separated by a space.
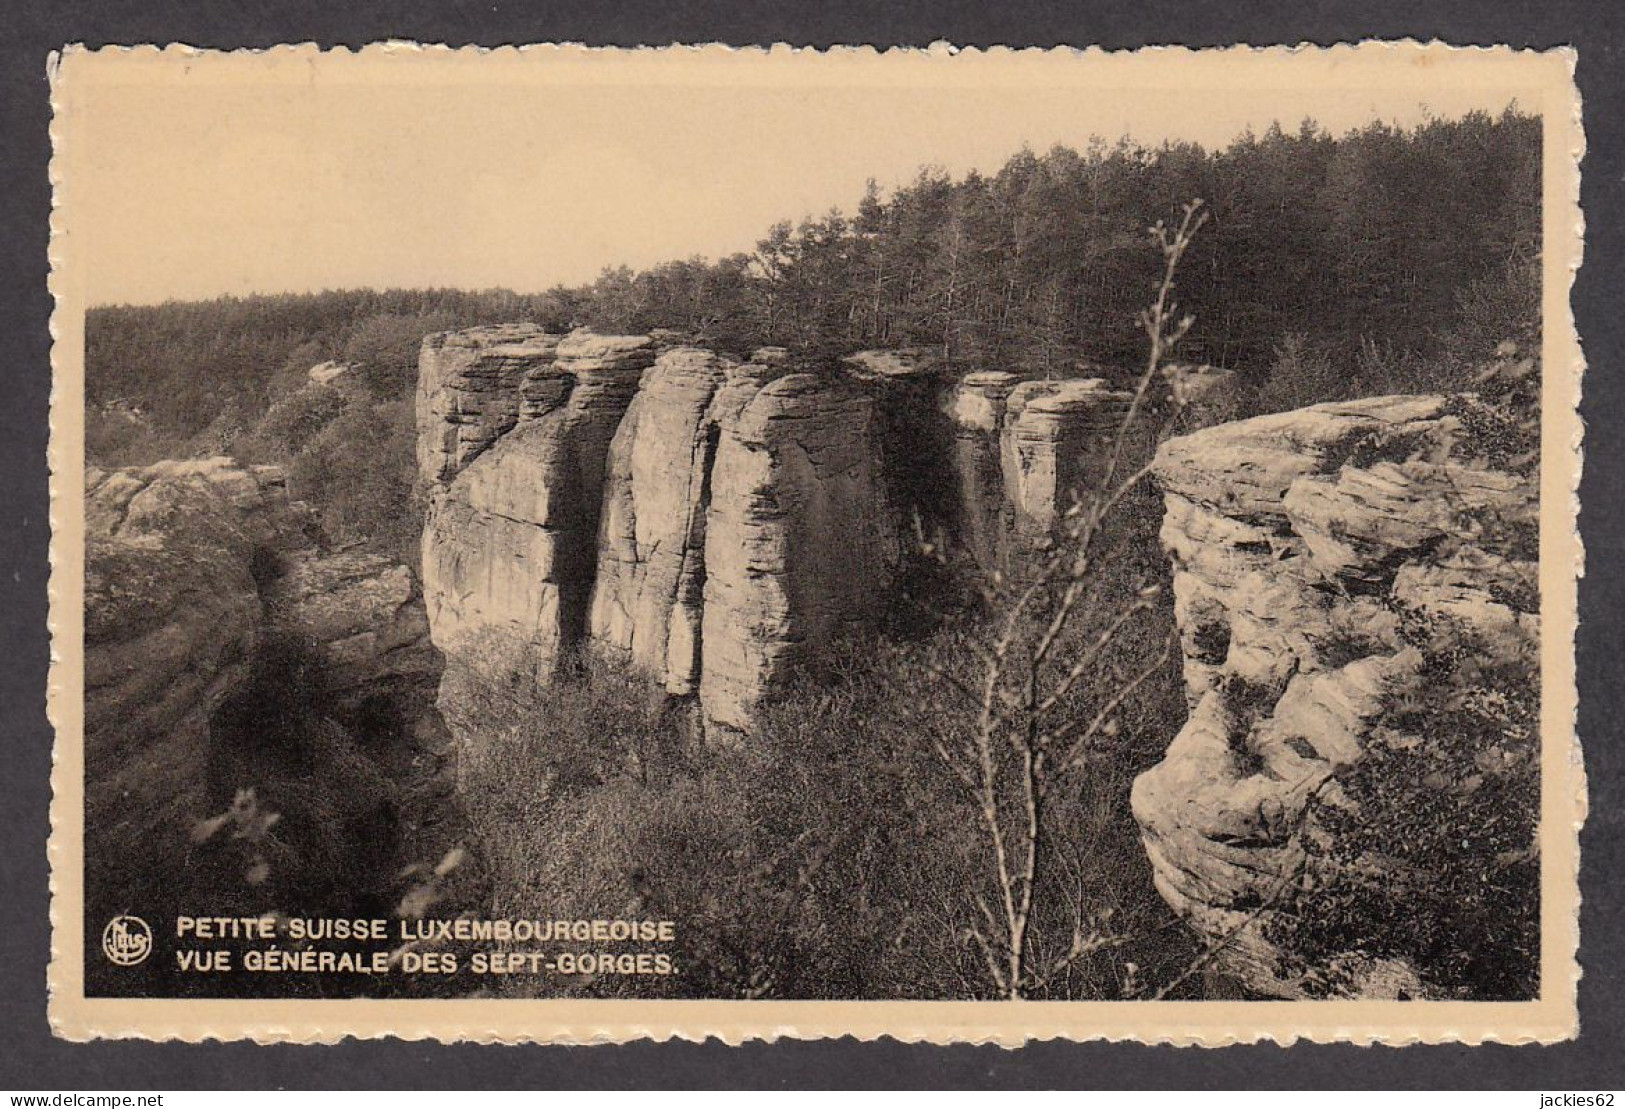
x=126 y=940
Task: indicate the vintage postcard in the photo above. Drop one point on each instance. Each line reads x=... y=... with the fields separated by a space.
x=568 y=545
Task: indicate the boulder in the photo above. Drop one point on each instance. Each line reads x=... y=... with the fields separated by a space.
x=891 y=365
x=323 y=373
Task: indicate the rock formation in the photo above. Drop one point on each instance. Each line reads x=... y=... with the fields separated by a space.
x=1056 y=437
x=510 y=542
x=1025 y=451
x=196 y=572
x=798 y=544
x=363 y=614
x=977 y=409
x=743 y=528
x=171 y=603
x=469 y=391
x=649 y=594
x=715 y=525
x=1325 y=561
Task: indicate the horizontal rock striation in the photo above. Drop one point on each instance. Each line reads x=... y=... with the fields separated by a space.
x=196 y=571
x=510 y=543
x=798 y=543
x=364 y=614
x=1314 y=554
x=469 y=391
x=715 y=525
x=1025 y=452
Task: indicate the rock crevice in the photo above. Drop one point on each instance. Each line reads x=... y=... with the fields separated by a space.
x=667 y=499
x=716 y=525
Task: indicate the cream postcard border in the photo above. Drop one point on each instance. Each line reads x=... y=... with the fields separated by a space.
x=1542 y=81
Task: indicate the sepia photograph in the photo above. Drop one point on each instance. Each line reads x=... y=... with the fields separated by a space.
x=948 y=544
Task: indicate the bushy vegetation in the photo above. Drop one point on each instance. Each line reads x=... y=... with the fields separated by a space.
x=1432 y=858
x=859 y=843
x=1430 y=854
x=831 y=854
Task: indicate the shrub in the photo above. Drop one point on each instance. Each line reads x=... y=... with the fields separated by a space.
x=830 y=854
x=1431 y=857
x=1301 y=374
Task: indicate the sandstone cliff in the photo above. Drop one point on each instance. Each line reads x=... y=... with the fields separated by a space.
x=798 y=544
x=1025 y=452
x=469 y=391
x=1329 y=565
x=510 y=544
x=715 y=525
x=197 y=574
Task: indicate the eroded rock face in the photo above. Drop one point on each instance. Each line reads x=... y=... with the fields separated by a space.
x=196 y=571
x=744 y=527
x=510 y=545
x=1311 y=551
x=714 y=525
x=171 y=607
x=469 y=391
x=798 y=544
x=363 y=613
x=1055 y=436
x=648 y=597
x=976 y=409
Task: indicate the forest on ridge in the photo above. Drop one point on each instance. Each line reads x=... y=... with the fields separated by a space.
x=1384 y=260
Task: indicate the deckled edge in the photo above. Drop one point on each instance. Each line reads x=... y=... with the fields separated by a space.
x=53 y=462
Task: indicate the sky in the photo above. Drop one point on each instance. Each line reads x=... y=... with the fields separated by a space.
x=188 y=178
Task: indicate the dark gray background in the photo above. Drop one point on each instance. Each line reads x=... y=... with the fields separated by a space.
x=31 y=1060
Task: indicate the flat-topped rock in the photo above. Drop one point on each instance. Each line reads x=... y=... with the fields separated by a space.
x=588 y=351
x=1055 y=436
x=890 y=365
x=799 y=546
x=977 y=404
x=1327 y=563
x=1247 y=467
